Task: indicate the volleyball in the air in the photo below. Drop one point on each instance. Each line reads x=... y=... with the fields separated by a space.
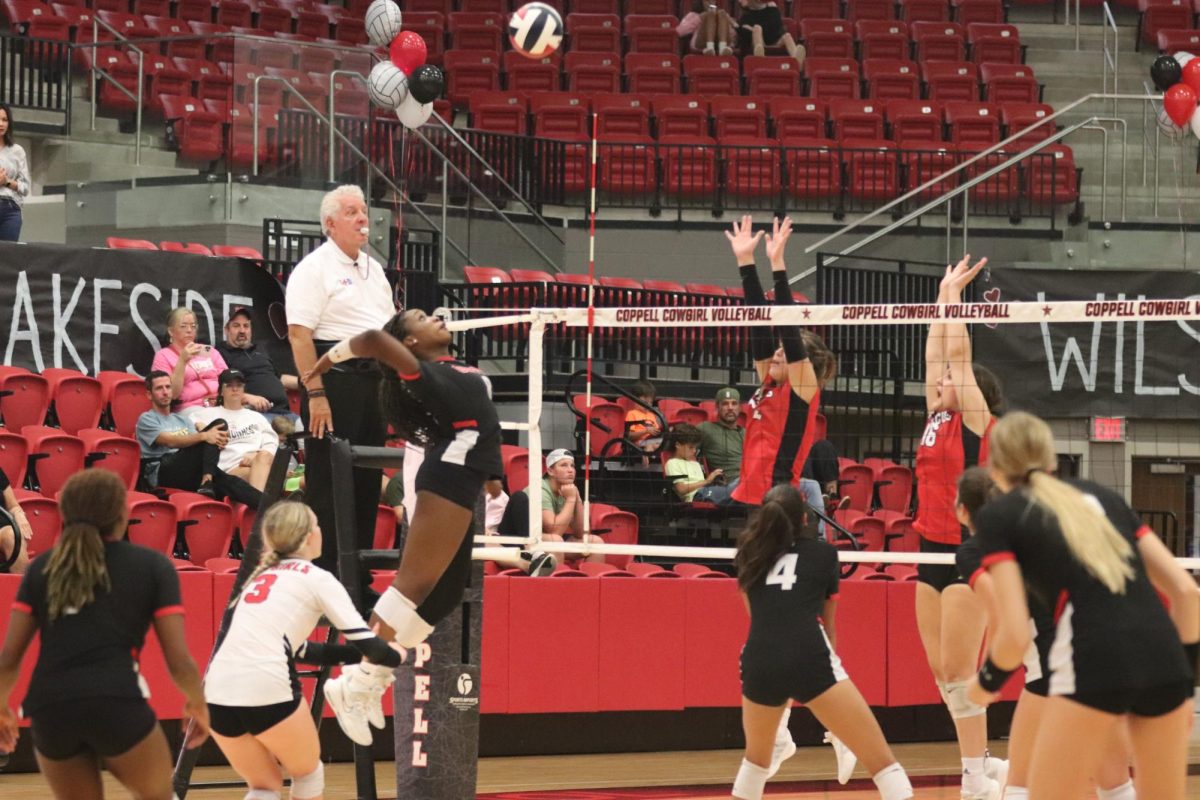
x=535 y=30
x=382 y=22
x=387 y=85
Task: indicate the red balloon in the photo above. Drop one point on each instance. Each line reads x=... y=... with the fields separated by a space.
x=1191 y=75
x=1180 y=103
x=407 y=51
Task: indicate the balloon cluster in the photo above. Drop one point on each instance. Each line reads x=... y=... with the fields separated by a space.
x=1178 y=78
x=405 y=83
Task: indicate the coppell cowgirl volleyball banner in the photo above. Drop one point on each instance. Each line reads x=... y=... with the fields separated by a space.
x=1138 y=368
x=96 y=309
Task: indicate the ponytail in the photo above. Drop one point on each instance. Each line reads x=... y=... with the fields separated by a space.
x=92 y=505
x=1021 y=447
x=1089 y=534
x=285 y=526
x=772 y=529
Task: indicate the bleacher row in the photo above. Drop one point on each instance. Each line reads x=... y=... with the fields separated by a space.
x=195 y=248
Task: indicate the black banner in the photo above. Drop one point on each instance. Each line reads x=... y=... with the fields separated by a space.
x=1129 y=369
x=96 y=309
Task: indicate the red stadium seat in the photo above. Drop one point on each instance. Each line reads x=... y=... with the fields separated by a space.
x=689 y=165
x=430 y=26
x=999 y=191
x=816 y=9
x=798 y=118
x=315 y=93
x=616 y=527
x=882 y=39
x=870 y=9
x=858 y=483
x=152 y=522
x=273 y=18
x=680 y=116
x=924 y=10
x=194 y=10
x=211 y=81
x=872 y=169
x=649 y=7
x=969 y=11
x=125 y=398
x=113 y=452
x=889 y=80
x=1170 y=40
x=467 y=72
x=13 y=456
x=627 y=161
x=1010 y=83
x=856 y=119
x=45 y=520
x=593 y=72
x=994 y=44
x=929 y=161
x=917 y=121
x=652 y=73
x=533 y=74
x=832 y=78
x=712 y=75
x=814 y=168
x=752 y=167
x=596 y=6
x=938 y=41
x=1018 y=116
x=481 y=32
x=499 y=112
x=771 y=75
x=191 y=247
x=594 y=33
x=118 y=243
x=1052 y=179
x=948 y=81
x=973 y=124
x=739 y=118
x=234 y=12
x=54 y=455
x=205 y=524
x=652 y=33
x=236 y=251
x=827 y=38
x=221 y=48
x=895 y=485
x=516 y=467
x=168 y=27
x=76 y=398
x=37 y=20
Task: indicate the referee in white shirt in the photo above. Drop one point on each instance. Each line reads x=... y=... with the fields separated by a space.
x=335 y=292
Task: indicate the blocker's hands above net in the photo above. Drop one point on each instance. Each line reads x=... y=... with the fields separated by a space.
x=743 y=241
x=958 y=276
x=777 y=242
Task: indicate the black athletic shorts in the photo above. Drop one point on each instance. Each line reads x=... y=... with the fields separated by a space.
x=771 y=677
x=234 y=721
x=1147 y=702
x=103 y=726
x=460 y=485
x=939 y=576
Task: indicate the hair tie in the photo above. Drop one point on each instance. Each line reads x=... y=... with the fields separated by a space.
x=1029 y=473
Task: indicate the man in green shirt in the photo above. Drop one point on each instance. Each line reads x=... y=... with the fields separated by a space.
x=721 y=445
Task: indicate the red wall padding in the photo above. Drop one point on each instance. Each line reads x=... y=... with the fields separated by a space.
x=642 y=624
x=493 y=673
x=715 y=628
x=553 y=645
x=862 y=636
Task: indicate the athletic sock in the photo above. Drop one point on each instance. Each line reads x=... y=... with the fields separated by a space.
x=972 y=775
x=1016 y=793
x=892 y=783
x=1123 y=792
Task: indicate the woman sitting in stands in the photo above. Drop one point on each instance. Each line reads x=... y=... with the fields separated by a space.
x=194 y=368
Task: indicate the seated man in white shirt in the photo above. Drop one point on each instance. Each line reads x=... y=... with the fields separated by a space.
x=252 y=441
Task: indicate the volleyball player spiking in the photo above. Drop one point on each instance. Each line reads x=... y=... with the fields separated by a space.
x=975 y=488
x=260 y=719
x=92 y=598
x=961 y=398
x=1117 y=651
x=445 y=406
x=789 y=578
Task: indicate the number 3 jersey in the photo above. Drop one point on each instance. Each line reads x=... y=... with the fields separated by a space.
x=275 y=613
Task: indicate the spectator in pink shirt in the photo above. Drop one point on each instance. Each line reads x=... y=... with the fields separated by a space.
x=193 y=367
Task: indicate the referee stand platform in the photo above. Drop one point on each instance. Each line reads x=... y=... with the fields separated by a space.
x=436 y=693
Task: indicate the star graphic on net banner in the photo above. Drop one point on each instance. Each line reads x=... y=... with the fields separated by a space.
x=1046 y=311
x=807 y=314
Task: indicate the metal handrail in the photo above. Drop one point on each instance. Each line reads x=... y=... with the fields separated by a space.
x=1104 y=159
x=938 y=179
x=1110 y=61
x=354 y=148
x=961 y=189
x=141 y=57
x=332 y=99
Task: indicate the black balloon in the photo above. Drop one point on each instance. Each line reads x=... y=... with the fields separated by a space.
x=427 y=82
x=1165 y=72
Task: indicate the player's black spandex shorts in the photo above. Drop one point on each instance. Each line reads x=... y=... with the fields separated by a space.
x=771 y=675
x=459 y=485
x=233 y=721
x=939 y=576
x=1148 y=702
x=105 y=726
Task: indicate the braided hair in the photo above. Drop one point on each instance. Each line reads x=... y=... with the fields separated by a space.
x=92 y=504
x=409 y=417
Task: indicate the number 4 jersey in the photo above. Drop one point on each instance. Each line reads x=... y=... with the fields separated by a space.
x=276 y=612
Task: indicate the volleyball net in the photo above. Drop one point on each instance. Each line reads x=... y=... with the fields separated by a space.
x=1115 y=376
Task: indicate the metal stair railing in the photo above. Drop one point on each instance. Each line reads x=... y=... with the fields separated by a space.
x=1008 y=163
x=97 y=24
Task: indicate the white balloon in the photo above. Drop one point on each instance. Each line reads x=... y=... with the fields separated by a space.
x=413 y=114
x=1195 y=123
x=1183 y=58
x=387 y=85
x=1168 y=126
x=382 y=22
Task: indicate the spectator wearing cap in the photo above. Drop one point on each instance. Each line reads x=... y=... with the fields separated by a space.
x=562 y=507
x=252 y=441
x=177 y=456
x=721 y=445
x=266 y=389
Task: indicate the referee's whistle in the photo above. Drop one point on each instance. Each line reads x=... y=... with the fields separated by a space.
x=364 y=230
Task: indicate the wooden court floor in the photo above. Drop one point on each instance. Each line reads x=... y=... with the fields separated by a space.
x=701 y=775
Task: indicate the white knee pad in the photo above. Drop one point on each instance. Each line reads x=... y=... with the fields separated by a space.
x=261 y=794
x=941 y=687
x=1016 y=793
x=959 y=704
x=892 y=783
x=1123 y=792
x=310 y=785
x=401 y=615
x=750 y=781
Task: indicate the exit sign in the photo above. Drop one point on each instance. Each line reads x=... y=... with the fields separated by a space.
x=1108 y=429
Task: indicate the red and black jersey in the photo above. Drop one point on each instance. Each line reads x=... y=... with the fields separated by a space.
x=465 y=428
x=779 y=434
x=93 y=651
x=946 y=449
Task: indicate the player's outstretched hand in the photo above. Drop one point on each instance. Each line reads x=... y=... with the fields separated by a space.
x=10 y=731
x=958 y=276
x=743 y=241
x=777 y=242
x=320 y=368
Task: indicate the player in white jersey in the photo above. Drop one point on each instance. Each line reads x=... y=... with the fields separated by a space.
x=261 y=720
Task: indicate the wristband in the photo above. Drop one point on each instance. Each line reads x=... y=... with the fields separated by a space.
x=314 y=393
x=783 y=289
x=992 y=678
x=341 y=352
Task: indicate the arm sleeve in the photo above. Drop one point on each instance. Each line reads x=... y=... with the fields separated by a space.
x=761 y=346
x=789 y=335
x=375 y=650
x=167 y=597
x=305 y=298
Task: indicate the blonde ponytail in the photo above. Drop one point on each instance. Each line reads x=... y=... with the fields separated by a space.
x=1021 y=447
x=285 y=526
